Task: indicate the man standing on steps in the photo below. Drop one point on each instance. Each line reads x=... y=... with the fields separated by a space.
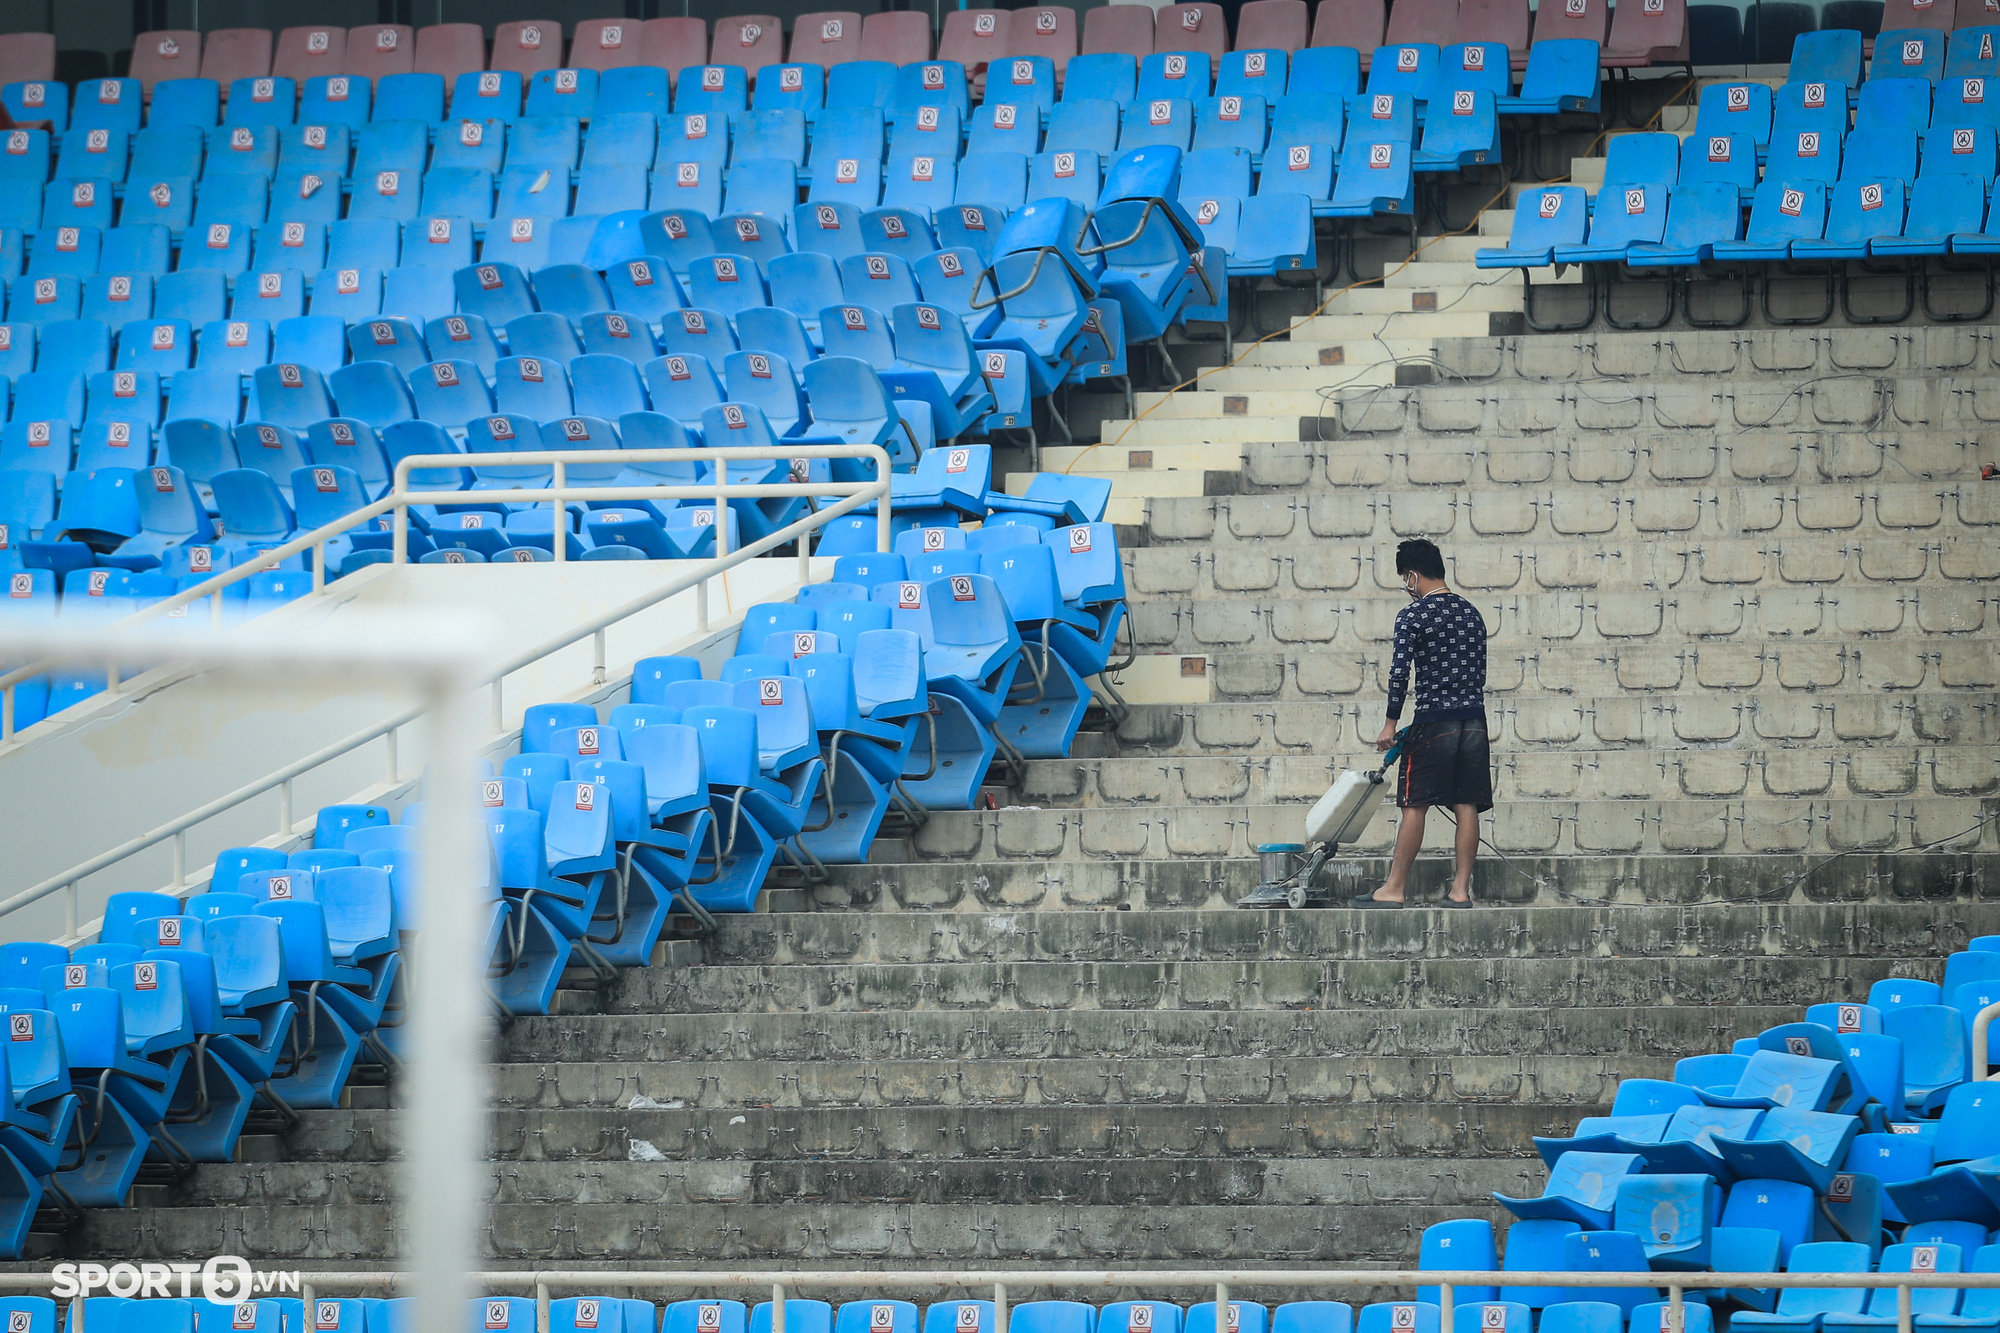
x=1445 y=758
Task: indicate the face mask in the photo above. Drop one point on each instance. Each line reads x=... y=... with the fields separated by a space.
x=1410 y=587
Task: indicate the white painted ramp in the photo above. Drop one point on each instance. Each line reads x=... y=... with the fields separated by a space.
x=116 y=767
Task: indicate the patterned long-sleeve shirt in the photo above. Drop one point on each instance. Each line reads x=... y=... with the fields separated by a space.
x=1445 y=637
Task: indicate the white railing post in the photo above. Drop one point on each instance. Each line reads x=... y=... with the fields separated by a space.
x=777 y=1307
x=285 y=809
x=999 y=1307
x=559 y=520
x=7 y=713
x=1981 y=1057
x=1446 y=1318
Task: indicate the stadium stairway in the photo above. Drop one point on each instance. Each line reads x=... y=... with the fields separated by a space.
x=1059 y=1086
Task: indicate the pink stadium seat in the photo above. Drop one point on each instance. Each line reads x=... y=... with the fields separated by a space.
x=307 y=53
x=1497 y=21
x=674 y=45
x=1976 y=14
x=1434 y=21
x=27 y=57
x=1272 y=25
x=1911 y=14
x=1356 y=23
x=750 y=40
x=379 y=49
x=169 y=53
x=1118 y=28
x=605 y=44
x=975 y=38
x=901 y=38
x=826 y=38
x=1192 y=27
x=236 y=53
x=528 y=47
x=1047 y=30
x=1586 y=19
x=1647 y=32
x=450 y=49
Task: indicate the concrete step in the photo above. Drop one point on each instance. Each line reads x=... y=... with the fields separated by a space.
x=1349 y=328
x=1261 y=711
x=730 y=1236
x=1220 y=882
x=802 y=1185
x=1864 y=463
x=1532 y=620
x=1817 y=534
x=1262 y=983
x=1906 y=931
x=1779 y=767
x=1847 y=403
x=1449 y=276
x=1429 y=293
x=1678 y=355
x=1215 y=1081
x=1656 y=561
x=1136 y=454
x=1629 y=1037
x=1591 y=828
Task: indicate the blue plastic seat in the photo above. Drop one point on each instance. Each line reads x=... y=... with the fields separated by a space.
x=1563 y=76
x=1805 y=1308
x=1552 y=216
x=1888 y=102
x=1699 y=214
x=1733 y=109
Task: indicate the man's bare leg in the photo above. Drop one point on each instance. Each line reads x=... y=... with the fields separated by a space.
x=1409 y=840
x=1468 y=851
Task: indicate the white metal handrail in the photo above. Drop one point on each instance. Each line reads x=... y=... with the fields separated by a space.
x=995 y=1285
x=696 y=577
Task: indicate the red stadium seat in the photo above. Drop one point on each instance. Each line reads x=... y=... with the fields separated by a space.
x=1046 y=30
x=1586 y=19
x=750 y=40
x=1193 y=27
x=1418 y=21
x=1649 y=32
x=901 y=38
x=307 y=53
x=674 y=45
x=1272 y=25
x=1356 y=23
x=826 y=38
x=1496 y=21
x=974 y=38
x=605 y=44
x=27 y=57
x=230 y=54
x=380 y=49
x=168 y=53
x=450 y=49
x=1118 y=28
x=527 y=47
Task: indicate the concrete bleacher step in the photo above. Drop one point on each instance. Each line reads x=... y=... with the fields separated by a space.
x=1719 y=533
x=1018 y=1180
x=1267 y=714
x=1746 y=825
x=1691 y=355
x=1830 y=489
x=1780 y=767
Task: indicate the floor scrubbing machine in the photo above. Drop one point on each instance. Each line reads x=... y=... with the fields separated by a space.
x=1290 y=871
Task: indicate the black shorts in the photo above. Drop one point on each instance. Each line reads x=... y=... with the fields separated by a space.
x=1446 y=763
